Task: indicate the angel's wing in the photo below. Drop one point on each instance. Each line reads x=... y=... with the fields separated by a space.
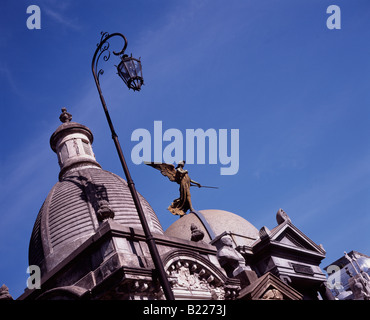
x=168 y=170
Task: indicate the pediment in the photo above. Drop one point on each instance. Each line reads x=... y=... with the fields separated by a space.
x=269 y=287
x=291 y=239
x=290 y=236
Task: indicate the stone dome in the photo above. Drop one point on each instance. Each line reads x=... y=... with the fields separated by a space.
x=69 y=214
x=83 y=198
x=214 y=222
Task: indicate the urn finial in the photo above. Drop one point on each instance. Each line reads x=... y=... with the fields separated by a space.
x=65 y=116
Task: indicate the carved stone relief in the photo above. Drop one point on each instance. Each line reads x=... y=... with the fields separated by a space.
x=192 y=280
x=272 y=294
x=196 y=280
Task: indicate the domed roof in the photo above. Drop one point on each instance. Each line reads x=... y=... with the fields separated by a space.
x=69 y=214
x=83 y=198
x=213 y=223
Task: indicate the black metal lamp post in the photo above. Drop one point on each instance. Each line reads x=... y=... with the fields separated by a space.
x=129 y=69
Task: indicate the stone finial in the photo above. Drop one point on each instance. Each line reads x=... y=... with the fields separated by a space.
x=65 y=116
x=196 y=234
x=281 y=216
x=264 y=232
x=4 y=293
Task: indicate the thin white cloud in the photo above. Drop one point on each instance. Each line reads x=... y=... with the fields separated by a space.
x=61 y=17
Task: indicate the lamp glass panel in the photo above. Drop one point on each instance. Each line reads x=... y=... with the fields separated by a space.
x=130 y=68
x=123 y=71
x=138 y=68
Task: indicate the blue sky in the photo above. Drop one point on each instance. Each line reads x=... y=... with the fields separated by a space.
x=297 y=91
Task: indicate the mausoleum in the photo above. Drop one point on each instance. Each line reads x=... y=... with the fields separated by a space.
x=89 y=243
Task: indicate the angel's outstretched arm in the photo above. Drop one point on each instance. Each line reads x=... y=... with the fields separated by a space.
x=195 y=183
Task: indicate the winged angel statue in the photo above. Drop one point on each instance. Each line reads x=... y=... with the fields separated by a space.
x=180 y=205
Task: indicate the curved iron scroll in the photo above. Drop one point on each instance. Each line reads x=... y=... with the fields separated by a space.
x=103 y=50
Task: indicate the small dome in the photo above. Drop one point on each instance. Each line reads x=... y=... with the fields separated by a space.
x=72 y=142
x=216 y=221
x=69 y=214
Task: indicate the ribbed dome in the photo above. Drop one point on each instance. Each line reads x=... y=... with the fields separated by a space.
x=69 y=213
x=85 y=196
x=217 y=221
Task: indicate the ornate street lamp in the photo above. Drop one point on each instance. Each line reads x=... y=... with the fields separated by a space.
x=129 y=69
x=130 y=72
